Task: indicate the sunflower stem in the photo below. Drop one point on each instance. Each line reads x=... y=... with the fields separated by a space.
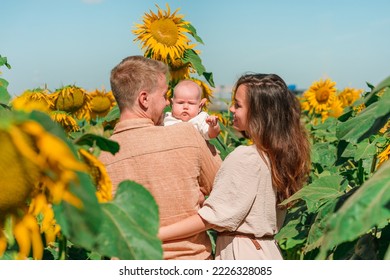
x=62 y=248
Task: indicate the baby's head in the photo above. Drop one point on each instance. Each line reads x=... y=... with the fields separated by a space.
x=187 y=100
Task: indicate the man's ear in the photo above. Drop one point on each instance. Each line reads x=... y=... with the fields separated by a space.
x=143 y=99
x=202 y=103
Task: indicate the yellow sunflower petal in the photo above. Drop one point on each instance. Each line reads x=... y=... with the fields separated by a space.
x=36 y=240
x=3 y=243
x=383 y=156
x=23 y=238
x=100 y=176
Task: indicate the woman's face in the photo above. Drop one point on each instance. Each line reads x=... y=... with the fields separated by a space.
x=240 y=109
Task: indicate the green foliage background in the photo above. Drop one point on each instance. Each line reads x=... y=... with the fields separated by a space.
x=344 y=211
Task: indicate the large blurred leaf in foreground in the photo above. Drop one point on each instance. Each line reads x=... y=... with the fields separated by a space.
x=369 y=206
x=130 y=225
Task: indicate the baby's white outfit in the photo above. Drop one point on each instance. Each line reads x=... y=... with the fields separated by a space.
x=199 y=122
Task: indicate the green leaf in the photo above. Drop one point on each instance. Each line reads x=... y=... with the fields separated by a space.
x=3 y=61
x=218 y=144
x=349 y=151
x=378 y=88
x=362 y=150
x=328 y=126
x=209 y=78
x=368 y=122
x=291 y=235
x=365 y=150
x=315 y=236
x=324 y=154
x=294 y=231
x=130 y=225
x=192 y=57
x=192 y=30
x=114 y=114
x=367 y=207
x=80 y=225
x=102 y=142
x=4 y=95
x=321 y=191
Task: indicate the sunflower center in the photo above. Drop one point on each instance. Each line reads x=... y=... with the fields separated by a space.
x=322 y=95
x=71 y=102
x=164 y=31
x=100 y=104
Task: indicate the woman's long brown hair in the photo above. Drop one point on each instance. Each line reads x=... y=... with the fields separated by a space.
x=276 y=129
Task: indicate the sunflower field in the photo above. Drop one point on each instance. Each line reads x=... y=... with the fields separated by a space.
x=55 y=195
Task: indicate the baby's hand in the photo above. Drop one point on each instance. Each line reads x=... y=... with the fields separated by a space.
x=214 y=128
x=212 y=120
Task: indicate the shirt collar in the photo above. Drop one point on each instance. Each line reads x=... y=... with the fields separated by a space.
x=132 y=124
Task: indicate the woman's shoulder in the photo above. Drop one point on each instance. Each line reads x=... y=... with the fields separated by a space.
x=243 y=153
x=243 y=149
x=248 y=155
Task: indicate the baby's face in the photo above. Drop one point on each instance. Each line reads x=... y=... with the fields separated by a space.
x=185 y=105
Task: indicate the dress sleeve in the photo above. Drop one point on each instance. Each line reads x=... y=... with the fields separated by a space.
x=234 y=190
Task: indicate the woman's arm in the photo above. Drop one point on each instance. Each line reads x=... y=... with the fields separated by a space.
x=184 y=228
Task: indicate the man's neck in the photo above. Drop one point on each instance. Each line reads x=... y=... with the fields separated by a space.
x=133 y=114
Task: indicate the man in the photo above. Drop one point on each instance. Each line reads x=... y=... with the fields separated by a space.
x=174 y=162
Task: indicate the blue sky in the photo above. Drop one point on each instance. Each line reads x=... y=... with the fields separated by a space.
x=61 y=42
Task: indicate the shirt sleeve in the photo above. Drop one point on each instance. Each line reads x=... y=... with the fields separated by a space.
x=234 y=190
x=210 y=164
x=201 y=125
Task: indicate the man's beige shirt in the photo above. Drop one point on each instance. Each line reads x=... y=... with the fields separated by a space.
x=173 y=163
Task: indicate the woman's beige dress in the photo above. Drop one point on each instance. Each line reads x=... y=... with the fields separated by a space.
x=244 y=201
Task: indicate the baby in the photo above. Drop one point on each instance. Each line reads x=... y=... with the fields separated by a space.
x=187 y=107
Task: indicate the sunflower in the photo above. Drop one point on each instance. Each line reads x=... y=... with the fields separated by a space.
x=335 y=110
x=30 y=171
x=385 y=128
x=41 y=206
x=99 y=175
x=163 y=35
x=74 y=100
x=349 y=95
x=101 y=103
x=18 y=173
x=27 y=234
x=206 y=91
x=65 y=120
x=37 y=99
x=179 y=70
x=320 y=96
x=3 y=242
x=358 y=109
x=383 y=156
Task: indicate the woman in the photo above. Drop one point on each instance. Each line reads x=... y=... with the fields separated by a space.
x=253 y=180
